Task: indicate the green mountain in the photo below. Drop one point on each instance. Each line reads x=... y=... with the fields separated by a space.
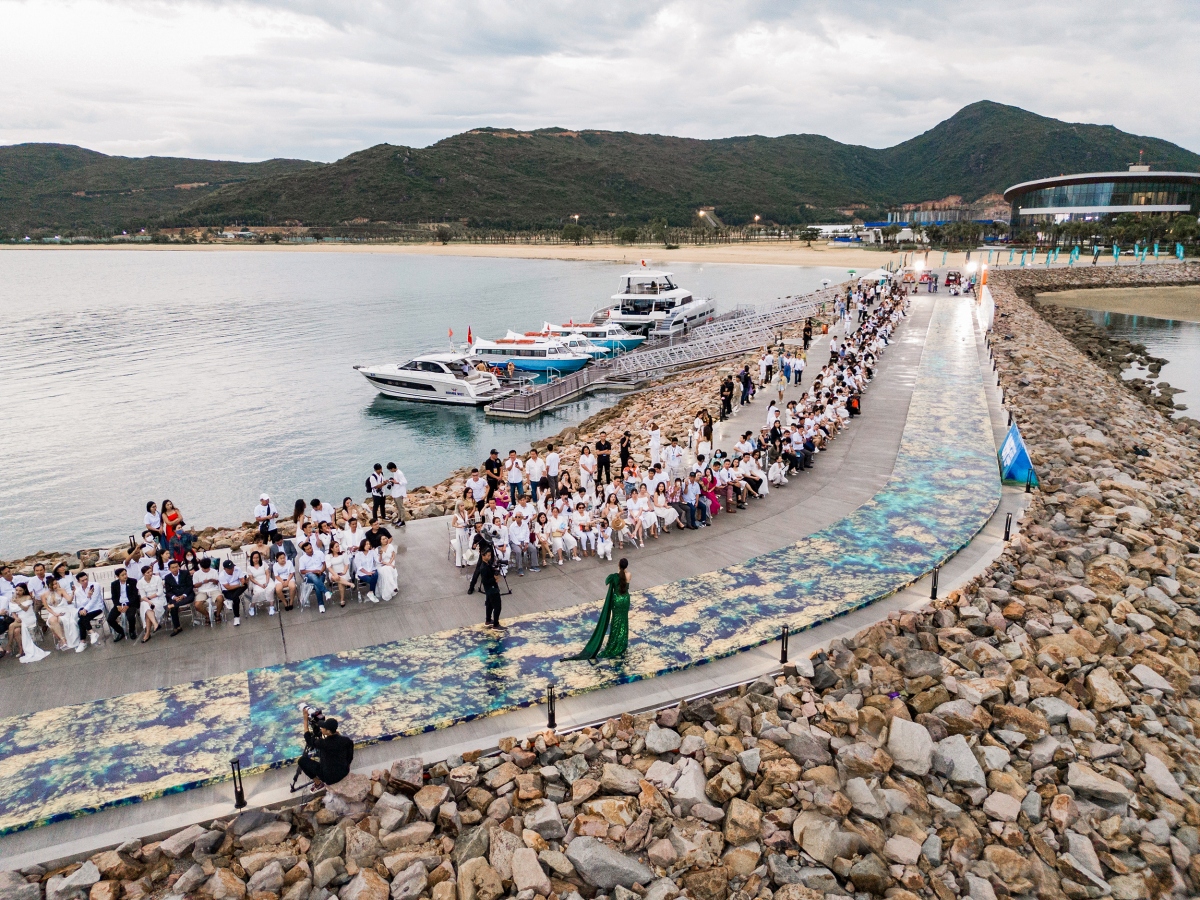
x=62 y=187
x=501 y=178
x=513 y=179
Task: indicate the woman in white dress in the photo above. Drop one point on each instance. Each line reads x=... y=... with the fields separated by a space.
x=154 y=603
x=667 y=514
x=615 y=516
x=583 y=528
x=61 y=615
x=561 y=538
x=260 y=582
x=649 y=516
x=461 y=542
x=655 y=444
x=339 y=571
x=22 y=606
x=704 y=443
x=389 y=578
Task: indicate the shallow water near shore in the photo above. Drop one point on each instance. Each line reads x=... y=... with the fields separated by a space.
x=1170 y=339
x=208 y=378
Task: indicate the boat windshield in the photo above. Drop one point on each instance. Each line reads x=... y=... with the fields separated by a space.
x=659 y=285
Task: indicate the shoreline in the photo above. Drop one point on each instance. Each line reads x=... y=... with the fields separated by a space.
x=1171 y=303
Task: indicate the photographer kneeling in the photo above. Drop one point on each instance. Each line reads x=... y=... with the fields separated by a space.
x=335 y=752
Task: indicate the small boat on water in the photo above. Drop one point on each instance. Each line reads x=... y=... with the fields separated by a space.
x=649 y=301
x=539 y=353
x=576 y=343
x=609 y=336
x=449 y=377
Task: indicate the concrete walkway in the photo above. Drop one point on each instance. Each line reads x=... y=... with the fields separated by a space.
x=826 y=500
x=433 y=595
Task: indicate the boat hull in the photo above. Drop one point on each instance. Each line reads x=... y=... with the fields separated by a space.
x=416 y=392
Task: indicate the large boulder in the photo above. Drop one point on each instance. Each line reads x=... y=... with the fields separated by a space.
x=603 y=867
x=910 y=746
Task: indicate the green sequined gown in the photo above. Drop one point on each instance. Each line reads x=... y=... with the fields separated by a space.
x=614 y=620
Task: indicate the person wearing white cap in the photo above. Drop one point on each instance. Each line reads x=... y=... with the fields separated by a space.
x=265 y=514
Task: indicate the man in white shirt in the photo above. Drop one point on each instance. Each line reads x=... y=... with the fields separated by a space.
x=515 y=473
x=206 y=584
x=518 y=540
x=89 y=599
x=398 y=487
x=311 y=563
x=535 y=468
x=265 y=515
x=478 y=487
x=553 y=461
x=673 y=456
x=233 y=585
x=319 y=512
x=37 y=583
x=377 y=484
x=284 y=575
x=8 y=587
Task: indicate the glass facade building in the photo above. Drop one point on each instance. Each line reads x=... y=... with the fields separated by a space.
x=1099 y=195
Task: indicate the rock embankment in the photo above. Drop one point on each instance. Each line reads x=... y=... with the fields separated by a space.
x=1114 y=355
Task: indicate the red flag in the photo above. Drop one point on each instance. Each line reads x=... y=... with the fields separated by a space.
x=470 y=340
x=451 y=330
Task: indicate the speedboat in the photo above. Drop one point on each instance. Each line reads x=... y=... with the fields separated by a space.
x=446 y=377
x=609 y=336
x=576 y=343
x=649 y=297
x=539 y=353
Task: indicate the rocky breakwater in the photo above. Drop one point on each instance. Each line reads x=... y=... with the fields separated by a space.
x=1115 y=355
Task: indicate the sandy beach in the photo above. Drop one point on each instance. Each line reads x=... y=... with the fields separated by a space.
x=764 y=253
x=1181 y=303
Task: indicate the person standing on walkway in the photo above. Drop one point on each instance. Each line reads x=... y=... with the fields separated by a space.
x=726 y=398
x=492 y=467
x=377 y=485
x=485 y=577
x=603 y=459
x=398 y=488
x=625 y=448
x=655 y=444
x=514 y=472
x=798 y=364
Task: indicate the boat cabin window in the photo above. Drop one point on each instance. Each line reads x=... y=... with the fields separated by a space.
x=434 y=367
x=652 y=286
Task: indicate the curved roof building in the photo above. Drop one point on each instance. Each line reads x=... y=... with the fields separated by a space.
x=1094 y=196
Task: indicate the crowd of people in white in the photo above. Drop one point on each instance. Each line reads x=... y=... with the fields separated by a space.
x=531 y=510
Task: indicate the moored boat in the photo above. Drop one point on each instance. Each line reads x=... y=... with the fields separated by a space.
x=448 y=377
x=539 y=353
x=650 y=301
x=609 y=336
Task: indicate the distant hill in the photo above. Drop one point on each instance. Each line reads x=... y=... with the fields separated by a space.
x=513 y=179
x=62 y=187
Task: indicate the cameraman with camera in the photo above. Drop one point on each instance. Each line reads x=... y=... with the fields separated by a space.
x=335 y=752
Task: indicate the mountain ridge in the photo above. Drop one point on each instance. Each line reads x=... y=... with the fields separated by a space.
x=513 y=178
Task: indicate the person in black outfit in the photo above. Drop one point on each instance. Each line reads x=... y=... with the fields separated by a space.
x=726 y=398
x=485 y=575
x=808 y=333
x=178 y=585
x=376 y=482
x=625 y=449
x=125 y=599
x=491 y=470
x=336 y=754
x=375 y=535
x=603 y=459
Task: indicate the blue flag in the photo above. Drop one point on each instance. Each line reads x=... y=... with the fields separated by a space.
x=1015 y=464
x=1179 y=251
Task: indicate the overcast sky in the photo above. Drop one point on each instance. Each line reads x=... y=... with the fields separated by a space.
x=318 y=79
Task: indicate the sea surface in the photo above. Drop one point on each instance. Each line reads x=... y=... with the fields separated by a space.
x=210 y=377
x=1170 y=339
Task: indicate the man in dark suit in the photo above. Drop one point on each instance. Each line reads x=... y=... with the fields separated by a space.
x=180 y=592
x=125 y=599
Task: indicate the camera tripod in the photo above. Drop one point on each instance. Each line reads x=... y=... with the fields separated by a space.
x=296 y=786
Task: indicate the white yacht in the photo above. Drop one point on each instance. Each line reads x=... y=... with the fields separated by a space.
x=650 y=301
x=573 y=341
x=438 y=377
x=609 y=336
x=540 y=354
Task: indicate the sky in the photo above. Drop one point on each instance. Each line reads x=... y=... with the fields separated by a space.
x=318 y=79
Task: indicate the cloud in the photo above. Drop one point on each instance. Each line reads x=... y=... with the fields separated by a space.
x=262 y=78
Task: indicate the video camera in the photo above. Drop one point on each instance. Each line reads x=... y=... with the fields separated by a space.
x=315 y=716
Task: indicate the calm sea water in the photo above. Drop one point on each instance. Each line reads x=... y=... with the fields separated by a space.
x=208 y=378
x=1168 y=339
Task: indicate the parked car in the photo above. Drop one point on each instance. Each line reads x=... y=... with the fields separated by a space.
x=953 y=278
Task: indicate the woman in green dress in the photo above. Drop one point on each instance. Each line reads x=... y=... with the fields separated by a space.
x=614 y=619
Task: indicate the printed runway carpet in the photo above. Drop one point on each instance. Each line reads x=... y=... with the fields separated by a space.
x=75 y=760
